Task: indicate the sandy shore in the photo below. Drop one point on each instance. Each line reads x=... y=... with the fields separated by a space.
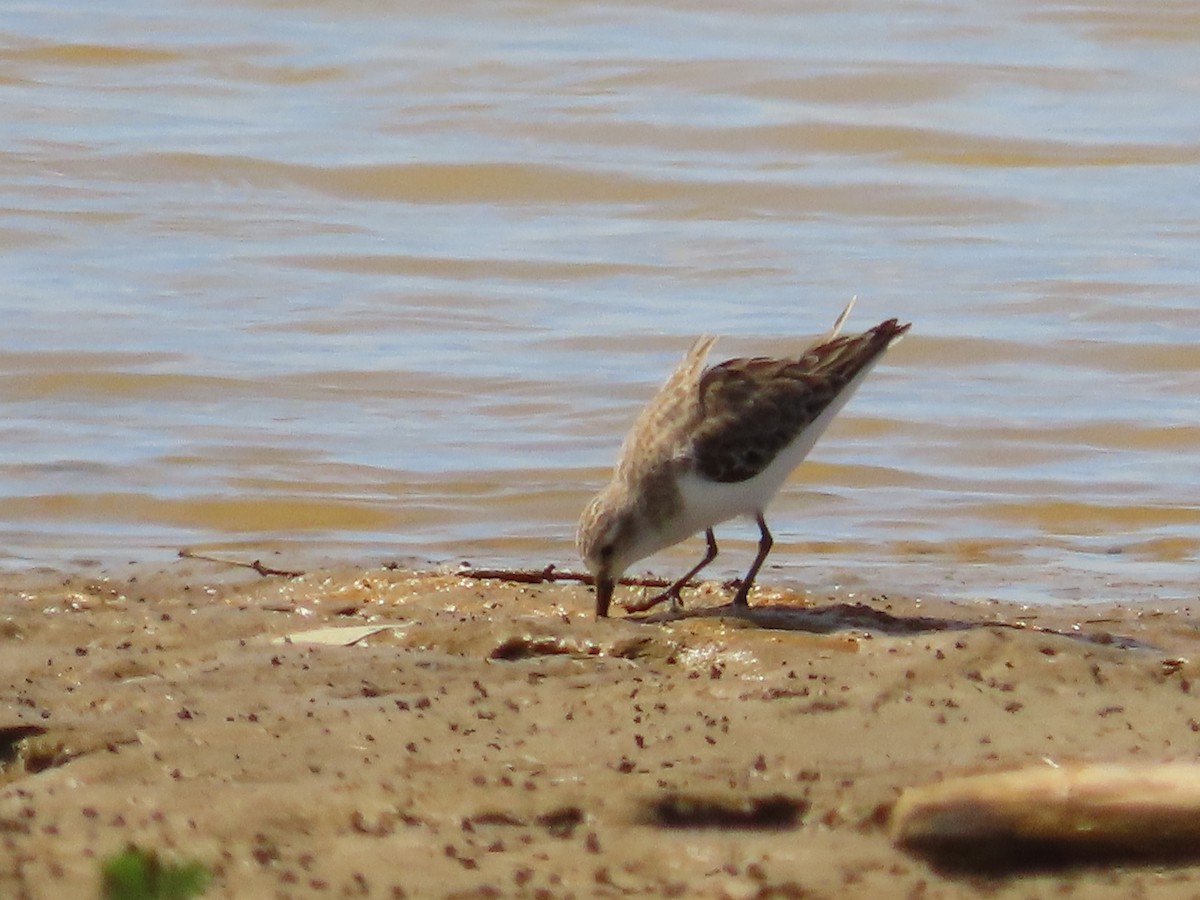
x=481 y=739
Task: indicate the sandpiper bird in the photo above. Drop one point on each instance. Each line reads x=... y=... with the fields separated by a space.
x=717 y=443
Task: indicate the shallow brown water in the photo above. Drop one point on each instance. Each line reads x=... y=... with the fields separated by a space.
x=366 y=282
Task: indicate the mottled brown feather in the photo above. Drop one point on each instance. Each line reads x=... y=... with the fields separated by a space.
x=753 y=408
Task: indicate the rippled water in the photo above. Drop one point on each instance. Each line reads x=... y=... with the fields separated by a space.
x=368 y=280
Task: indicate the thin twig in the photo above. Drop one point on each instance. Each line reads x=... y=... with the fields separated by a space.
x=550 y=573
x=517 y=576
x=257 y=565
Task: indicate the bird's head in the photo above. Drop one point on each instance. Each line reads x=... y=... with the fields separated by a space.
x=609 y=539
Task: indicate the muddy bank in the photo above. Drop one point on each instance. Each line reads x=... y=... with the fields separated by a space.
x=384 y=733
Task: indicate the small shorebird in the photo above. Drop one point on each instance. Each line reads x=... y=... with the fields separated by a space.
x=717 y=443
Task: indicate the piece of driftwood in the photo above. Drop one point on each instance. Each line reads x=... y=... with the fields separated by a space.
x=1052 y=815
x=338 y=636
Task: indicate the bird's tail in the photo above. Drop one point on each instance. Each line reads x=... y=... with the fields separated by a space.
x=841 y=320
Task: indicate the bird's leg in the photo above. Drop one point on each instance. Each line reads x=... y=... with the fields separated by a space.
x=765 y=543
x=672 y=593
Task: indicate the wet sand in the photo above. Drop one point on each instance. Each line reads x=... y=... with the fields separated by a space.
x=473 y=738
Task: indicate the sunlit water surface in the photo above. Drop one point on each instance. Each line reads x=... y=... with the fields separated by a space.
x=380 y=282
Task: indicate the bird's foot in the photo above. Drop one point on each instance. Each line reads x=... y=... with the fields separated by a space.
x=741 y=598
x=651 y=602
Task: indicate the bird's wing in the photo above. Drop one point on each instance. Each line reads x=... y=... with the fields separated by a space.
x=754 y=408
x=670 y=413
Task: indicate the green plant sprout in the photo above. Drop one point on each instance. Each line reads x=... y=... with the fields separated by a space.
x=136 y=874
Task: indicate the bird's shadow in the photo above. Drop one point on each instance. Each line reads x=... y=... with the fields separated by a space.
x=838 y=617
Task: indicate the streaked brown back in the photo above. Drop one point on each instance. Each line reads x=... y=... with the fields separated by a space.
x=753 y=408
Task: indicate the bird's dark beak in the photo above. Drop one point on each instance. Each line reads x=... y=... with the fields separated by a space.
x=604 y=592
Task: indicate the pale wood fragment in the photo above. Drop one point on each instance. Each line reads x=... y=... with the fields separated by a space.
x=1051 y=814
